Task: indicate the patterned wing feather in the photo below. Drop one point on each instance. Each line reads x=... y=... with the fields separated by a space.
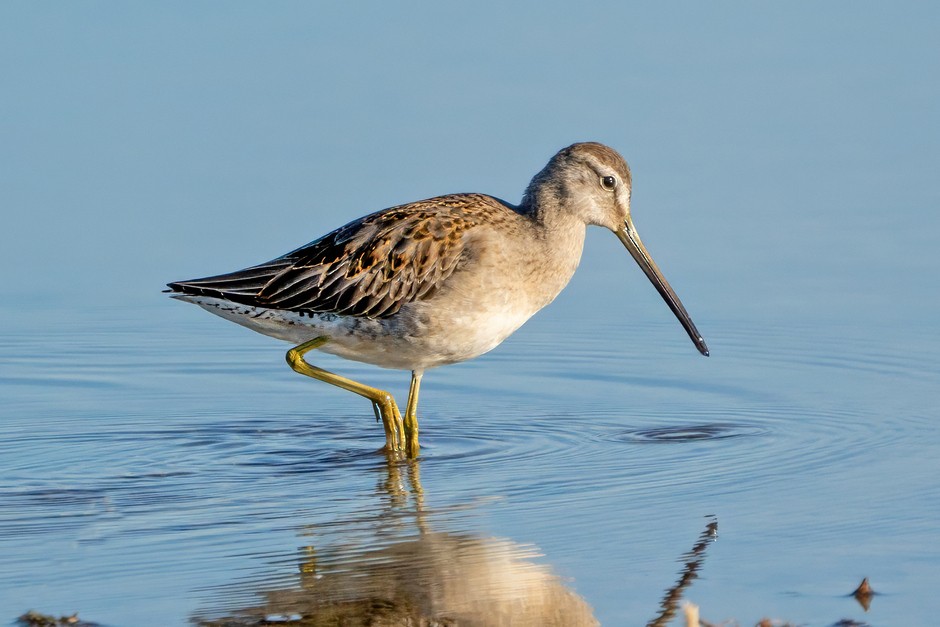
x=371 y=267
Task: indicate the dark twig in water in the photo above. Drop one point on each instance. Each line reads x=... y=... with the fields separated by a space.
x=693 y=561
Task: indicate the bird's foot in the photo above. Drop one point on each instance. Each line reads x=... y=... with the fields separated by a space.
x=401 y=433
x=387 y=409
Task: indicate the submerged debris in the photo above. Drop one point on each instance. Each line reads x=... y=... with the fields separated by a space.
x=33 y=618
x=863 y=594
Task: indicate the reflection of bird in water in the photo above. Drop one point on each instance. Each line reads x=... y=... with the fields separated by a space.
x=437 y=578
x=416 y=576
x=434 y=282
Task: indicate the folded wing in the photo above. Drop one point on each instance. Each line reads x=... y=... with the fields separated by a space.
x=371 y=267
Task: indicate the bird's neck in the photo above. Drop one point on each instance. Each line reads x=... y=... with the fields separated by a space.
x=541 y=197
x=550 y=207
x=560 y=236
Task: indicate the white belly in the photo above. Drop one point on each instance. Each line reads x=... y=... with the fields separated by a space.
x=411 y=340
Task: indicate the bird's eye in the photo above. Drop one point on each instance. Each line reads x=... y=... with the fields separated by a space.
x=608 y=182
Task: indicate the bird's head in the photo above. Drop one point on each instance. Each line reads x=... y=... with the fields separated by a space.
x=592 y=183
x=589 y=181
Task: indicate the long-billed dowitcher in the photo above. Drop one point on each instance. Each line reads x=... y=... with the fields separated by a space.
x=434 y=282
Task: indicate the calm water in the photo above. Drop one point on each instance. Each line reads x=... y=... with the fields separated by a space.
x=186 y=474
x=160 y=466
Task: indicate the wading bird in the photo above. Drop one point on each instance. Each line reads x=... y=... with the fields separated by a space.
x=434 y=282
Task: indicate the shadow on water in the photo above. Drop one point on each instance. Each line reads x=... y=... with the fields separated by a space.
x=411 y=572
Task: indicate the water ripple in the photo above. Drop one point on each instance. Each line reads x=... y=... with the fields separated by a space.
x=227 y=456
x=677 y=434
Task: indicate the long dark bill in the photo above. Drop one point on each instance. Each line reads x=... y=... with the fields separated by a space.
x=631 y=240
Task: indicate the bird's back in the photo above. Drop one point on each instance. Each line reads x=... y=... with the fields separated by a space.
x=369 y=268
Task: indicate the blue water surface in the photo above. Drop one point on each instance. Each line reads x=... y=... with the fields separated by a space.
x=159 y=466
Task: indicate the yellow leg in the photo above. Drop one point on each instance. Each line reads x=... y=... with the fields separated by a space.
x=411 y=415
x=382 y=401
